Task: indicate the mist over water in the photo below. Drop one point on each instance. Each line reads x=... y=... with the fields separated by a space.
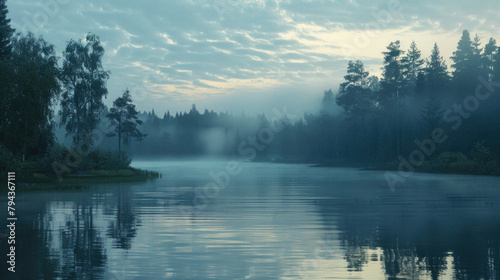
x=250 y=139
x=272 y=221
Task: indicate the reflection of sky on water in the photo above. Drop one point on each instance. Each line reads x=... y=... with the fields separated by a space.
x=272 y=221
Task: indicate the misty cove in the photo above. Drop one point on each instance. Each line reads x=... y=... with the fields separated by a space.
x=426 y=148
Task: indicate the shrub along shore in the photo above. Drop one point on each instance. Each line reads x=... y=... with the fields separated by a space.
x=480 y=161
x=61 y=168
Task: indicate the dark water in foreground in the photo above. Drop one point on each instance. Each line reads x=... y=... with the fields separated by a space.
x=272 y=221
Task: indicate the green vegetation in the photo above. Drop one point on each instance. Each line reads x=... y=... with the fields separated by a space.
x=371 y=121
x=39 y=181
x=123 y=117
x=480 y=161
x=98 y=167
x=31 y=84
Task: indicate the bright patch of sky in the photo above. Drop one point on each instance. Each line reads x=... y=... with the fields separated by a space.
x=248 y=55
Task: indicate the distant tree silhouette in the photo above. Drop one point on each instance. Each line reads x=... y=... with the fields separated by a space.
x=463 y=56
x=412 y=64
x=468 y=65
x=328 y=103
x=436 y=72
x=123 y=117
x=355 y=96
x=392 y=94
x=490 y=51
x=392 y=76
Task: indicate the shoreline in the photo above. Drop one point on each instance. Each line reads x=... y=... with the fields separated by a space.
x=33 y=181
x=377 y=167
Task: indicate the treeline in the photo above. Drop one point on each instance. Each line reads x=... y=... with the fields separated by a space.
x=384 y=121
x=418 y=114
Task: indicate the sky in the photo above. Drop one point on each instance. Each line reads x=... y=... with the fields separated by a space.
x=248 y=56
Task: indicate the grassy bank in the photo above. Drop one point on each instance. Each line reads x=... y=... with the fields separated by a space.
x=26 y=181
x=62 y=168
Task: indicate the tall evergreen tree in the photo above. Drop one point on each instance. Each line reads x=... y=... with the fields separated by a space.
x=463 y=56
x=412 y=64
x=495 y=77
x=489 y=53
x=392 y=76
x=468 y=65
x=436 y=72
x=355 y=95
x=495 y=73
x=477 y=63
x=84 y=81
x=392 y=94
x=6 y=31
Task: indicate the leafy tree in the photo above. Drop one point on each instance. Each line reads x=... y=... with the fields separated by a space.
x=84 y=81
x=6 y=31
x=123 y=116
x=33 y=89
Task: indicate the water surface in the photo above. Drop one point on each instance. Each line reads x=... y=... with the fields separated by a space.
x=272 y=221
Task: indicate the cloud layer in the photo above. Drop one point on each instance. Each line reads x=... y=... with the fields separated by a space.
x=247 y=55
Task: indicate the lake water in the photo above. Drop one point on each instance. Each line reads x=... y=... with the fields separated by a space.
x=272 y=221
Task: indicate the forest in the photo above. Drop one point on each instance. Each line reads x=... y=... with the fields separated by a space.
x=420 y=114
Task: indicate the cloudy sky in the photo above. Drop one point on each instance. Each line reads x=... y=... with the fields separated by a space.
x=248 y=55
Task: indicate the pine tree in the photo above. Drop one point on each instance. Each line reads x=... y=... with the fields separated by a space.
x=392 y=94
x=477 y=62
x=355 y=95
x=432 y=115
x=495 y=77
x=392 y=76
x=463 y=55
x=412 y=64
x=496 y=65
x=391 y=85
x=468 y=65
x=489 y=53
x=124 y=119
x=436 y=72
x=6 y=32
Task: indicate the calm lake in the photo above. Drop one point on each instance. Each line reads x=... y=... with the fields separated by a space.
x=272 y=221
